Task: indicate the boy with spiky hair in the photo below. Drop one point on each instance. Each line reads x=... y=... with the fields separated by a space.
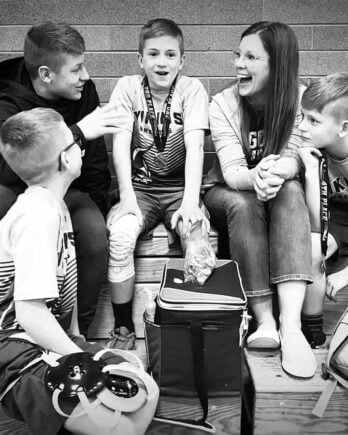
x=325 y=133
x=162 y=117
x=53 y=74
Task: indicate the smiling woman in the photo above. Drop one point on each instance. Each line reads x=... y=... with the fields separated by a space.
x=254 y=130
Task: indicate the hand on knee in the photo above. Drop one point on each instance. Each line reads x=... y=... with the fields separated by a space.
x=123 y=235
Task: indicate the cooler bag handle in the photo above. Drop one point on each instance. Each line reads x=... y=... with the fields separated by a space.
x=200 y=373
x=200 y=378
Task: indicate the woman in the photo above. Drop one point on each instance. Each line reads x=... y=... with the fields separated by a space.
x=254 y=131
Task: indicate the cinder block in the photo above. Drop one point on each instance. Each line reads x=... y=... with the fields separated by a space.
x=208 y=64
x=112 y=64
x=330 y=38
x=226 y=37
x=319 y=63
x=306 y=11
x=79 y=11
x=197 y=38
x=212 y=12
x=124 y=37
x=4 y=56
x=218 y=85
x=97 y=38
x=12 y=38
x=304 y=35
x=103 y=88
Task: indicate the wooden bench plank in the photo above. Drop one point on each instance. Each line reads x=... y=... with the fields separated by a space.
x=283 y=404
x=103 y=321
x=149 y=269
x=159 y=246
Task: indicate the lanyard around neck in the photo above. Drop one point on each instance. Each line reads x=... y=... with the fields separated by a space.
x=324 y=204
x=159 y=139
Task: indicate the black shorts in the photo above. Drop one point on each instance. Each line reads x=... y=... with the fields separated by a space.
x=158 y=204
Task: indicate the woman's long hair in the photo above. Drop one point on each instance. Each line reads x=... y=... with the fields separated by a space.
x=280 y=42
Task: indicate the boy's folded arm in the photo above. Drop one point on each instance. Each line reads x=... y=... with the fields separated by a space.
x=41 y=325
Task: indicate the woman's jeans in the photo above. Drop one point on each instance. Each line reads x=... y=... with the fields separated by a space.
x=269 y=240
x=91 y=247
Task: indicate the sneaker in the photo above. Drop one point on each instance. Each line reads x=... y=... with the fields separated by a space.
x=121 y=338
x=314 y=335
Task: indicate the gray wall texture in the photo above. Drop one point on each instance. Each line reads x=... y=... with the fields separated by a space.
x=212 y=29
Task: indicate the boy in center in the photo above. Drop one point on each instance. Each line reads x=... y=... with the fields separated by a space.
x=158 y=155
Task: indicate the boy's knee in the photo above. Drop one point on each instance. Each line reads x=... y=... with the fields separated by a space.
x=123 y=234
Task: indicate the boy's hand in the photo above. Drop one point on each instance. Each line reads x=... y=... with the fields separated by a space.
x=268 y=178
x=99 y=122
x=335 y=282
x=124 y=207
x=310 y=157
x=188 y=215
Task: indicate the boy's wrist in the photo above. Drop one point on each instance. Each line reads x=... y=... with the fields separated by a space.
x=311 y=171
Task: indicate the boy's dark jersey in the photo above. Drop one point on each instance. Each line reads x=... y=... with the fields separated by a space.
x=17 y=94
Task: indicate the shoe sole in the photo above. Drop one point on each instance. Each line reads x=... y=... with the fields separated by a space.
x=264 y=343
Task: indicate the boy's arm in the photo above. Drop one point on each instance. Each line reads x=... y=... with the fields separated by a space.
x=36 y=319
x=122 y=100
x=123 y=167
x=189 y=210
x=310 y=158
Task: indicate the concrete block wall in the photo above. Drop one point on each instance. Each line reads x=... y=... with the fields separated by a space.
x=212 y=29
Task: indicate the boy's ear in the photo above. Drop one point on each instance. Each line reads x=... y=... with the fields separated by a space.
x=45 y=74
x=182 y=61
x=64 y=161
x=140 y=60
x=344 y=128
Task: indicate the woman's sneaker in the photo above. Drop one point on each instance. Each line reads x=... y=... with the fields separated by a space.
x=122 y=339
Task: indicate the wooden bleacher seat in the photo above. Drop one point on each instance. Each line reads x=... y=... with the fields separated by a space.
x=276 y=403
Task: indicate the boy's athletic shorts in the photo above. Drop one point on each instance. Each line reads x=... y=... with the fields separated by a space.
x=30 y=400
x=158 y=204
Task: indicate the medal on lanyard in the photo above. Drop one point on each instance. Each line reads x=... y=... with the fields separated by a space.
x=160 y=139
x=324 y=207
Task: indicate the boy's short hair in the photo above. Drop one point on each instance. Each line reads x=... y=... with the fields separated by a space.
x=160 y=27
x=46 y=42
x=325 y=90
x=26 y=141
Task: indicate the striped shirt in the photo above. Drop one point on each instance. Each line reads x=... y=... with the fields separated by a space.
x=37 y=255
x=189 y=111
